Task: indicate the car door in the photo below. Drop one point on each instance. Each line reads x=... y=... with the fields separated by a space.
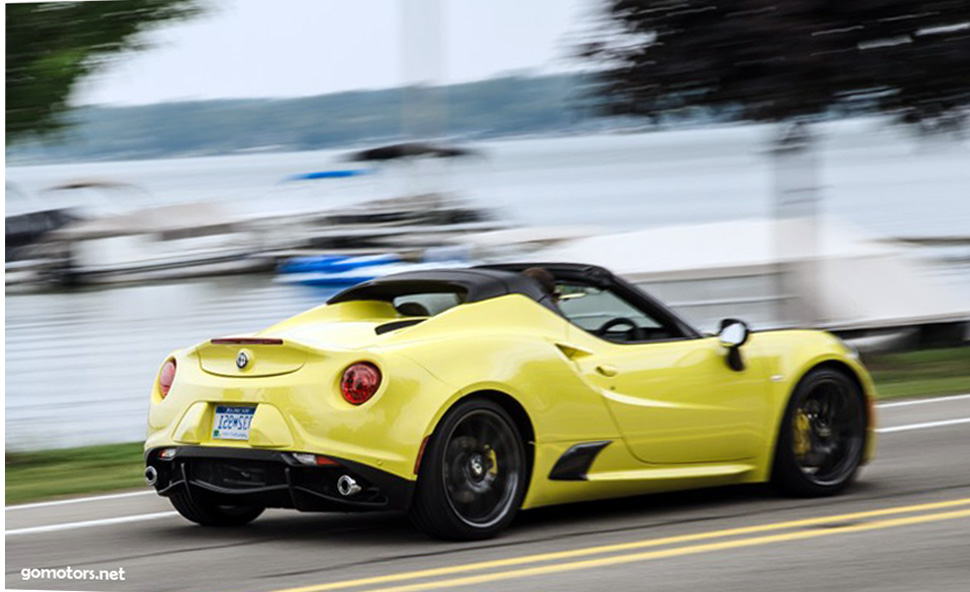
x=674 y=399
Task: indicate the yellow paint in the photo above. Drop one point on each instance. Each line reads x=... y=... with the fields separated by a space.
x=801 y=428
x=679 y=402
x=677 y=416
x=267 y=361
x=658 y=542
x=268 y=428
x=191 y=430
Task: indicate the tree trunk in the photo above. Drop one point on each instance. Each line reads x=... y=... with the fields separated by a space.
x=796 y=226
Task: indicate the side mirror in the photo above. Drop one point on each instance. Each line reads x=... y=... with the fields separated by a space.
x=733 y=333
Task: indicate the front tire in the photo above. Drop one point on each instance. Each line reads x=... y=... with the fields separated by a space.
x=206 y=513
x=822 y=438
x=473 y=474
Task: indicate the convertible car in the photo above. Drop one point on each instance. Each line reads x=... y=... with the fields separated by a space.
x=462 y=396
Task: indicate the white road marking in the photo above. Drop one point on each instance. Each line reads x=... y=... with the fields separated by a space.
x=156 y=515
x=923 y=401
x=78 y=500
x=923 y=426
x=88 y=523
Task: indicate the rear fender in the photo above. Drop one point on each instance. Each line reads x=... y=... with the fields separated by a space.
x=305 y=410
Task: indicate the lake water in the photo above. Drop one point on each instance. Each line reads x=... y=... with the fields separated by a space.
x=79 y=363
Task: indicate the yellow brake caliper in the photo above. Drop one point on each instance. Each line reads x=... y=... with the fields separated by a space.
x=801 y=427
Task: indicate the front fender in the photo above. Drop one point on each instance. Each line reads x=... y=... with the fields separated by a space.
x=787 y=356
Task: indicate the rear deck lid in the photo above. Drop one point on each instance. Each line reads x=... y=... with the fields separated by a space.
x=250 y=357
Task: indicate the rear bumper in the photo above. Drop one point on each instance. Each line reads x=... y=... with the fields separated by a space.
x=274 y=479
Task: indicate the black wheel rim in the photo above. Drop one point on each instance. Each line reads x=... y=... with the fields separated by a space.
x=828 y=429
x=481 y=469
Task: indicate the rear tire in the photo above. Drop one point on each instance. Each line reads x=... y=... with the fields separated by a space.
x=822 y=438
x=473 y=474
x=206 y=513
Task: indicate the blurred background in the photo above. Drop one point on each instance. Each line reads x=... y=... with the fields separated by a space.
x=183 y=169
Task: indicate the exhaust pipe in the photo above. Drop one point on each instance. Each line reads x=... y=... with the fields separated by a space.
x=151 y=476
x=347 y=486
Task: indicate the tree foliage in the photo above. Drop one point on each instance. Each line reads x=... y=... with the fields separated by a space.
x=51 y=45
x=785 y=60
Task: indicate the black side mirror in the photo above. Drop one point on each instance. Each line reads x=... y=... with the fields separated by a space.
x=733 y=333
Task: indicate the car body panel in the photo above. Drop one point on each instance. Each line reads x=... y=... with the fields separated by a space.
x=678 y=401
x=304 y=410
x=790 y=354
x=673 y=413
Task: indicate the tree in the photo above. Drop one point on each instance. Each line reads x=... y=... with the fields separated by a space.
x=794 y=62
x=52 y=45
x=791 y=60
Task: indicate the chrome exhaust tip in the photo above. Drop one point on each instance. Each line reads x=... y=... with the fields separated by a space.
x=346 y=486
x=151 y=476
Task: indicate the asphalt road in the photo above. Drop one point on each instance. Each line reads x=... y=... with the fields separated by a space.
x=904 y=526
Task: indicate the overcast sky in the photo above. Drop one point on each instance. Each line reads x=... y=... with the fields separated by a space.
x=285 y=48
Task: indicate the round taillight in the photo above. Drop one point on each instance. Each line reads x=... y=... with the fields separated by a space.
x=359 y=382
x=166 y=377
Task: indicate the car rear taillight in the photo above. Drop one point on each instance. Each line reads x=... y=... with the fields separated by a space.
x=359 y=382
x=166 y=377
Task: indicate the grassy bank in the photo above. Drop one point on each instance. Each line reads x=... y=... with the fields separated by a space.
x=48 y=474
x=53 y=473
x=921 y=373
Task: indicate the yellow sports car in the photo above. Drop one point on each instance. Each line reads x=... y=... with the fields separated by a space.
x=462 y=396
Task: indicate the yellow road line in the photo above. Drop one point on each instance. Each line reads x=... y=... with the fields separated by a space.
x=677 y=551
x=525 y=559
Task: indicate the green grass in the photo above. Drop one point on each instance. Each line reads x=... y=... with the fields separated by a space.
x=921 y=373
x=71 y=471
x=56 y=473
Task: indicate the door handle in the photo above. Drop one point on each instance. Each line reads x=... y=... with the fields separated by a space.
x=607 y=370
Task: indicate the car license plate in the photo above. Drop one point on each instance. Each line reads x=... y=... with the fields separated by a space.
x=232 y=422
